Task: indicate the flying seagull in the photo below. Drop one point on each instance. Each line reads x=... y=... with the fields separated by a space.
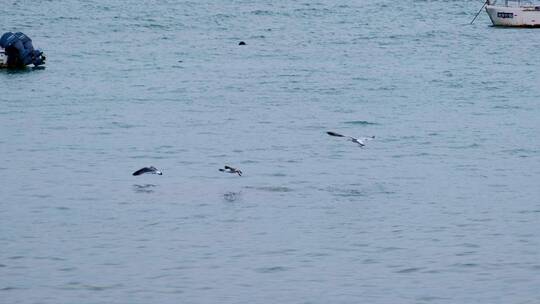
x=228 y=169
x=359 y=141
x=149 y=170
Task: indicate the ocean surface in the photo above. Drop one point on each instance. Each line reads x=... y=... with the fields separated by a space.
x=442 y=207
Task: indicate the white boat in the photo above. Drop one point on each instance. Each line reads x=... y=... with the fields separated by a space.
x=514 y=13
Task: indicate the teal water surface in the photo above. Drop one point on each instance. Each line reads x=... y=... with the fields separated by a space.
x=442 y=207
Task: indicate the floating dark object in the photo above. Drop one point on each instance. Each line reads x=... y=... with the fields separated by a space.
x=242 y=43
x=232 y=170
x=149 y=170
x=17 y=51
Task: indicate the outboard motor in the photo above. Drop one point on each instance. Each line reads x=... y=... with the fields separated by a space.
x=3 y=58
x=18 y=51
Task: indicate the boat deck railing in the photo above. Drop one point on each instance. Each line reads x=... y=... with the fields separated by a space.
x=516 y=3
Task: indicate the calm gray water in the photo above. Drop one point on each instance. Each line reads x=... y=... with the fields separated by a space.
x=443 y=207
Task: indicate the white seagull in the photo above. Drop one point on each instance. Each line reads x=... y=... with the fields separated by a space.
x=228 y=169
x=149 y=170
x=360 y=141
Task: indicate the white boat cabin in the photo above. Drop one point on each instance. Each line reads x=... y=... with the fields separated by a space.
x=520 y=13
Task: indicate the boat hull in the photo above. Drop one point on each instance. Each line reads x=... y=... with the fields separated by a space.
x=3 y=58
x=514 y=16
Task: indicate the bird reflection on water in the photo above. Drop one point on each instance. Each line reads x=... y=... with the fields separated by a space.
x=146 y=188
x=232 y=196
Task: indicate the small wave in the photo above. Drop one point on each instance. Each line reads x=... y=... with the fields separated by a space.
x=271 y=269
x=409 y=270
x=471 y=146
x=280 y=252
x=520 y=212
x=360 y=122
x=275 y=189
x=431 y=299
x=249 y=162
x=262 y=13
x=50 y=258
x=155 y=26
x=223 y=16
x=122 y=125
x=520 y=152
x=465 y=265
x=507 y=107
x=391 y=248
x=351 y=193
x=77 y=285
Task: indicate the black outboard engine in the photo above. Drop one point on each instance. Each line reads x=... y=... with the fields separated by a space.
x=19 y=51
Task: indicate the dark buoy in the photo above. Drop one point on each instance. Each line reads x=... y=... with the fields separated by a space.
x=242 y=43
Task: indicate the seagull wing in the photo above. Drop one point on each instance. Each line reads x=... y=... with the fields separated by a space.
x=229 y=168
x=355 y=140
x=142 y=171
x=334 y=134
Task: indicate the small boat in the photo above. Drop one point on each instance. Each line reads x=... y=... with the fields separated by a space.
x=17 y=51
x=513 y=13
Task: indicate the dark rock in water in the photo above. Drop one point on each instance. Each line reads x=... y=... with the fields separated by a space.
x=242 y=43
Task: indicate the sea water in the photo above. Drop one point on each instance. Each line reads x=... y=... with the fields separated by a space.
x=441 y=207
